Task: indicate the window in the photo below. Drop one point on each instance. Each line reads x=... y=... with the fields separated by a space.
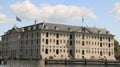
x=57 y=51
x=83 y=36
x=42 y=40
x=34 y=27
x=42 y=49
x=76 y=51
x=50 y=50
x=36 y=51
x=100 y=53
x=69 y=29
x=71 y=43
x=99 y=32
x=100 y=38
x=53 y=50
x=100 y=44
x=64 y=50
x=109 y=53
x=82 y=43
x=109 y=45
x=83 y=52
x=31 y=42
x=54 y=40
x=37 y=34
x=46 y=34
x=46 y=51
x=70 y=52
x=46 y=27
x=109 y=39
x=56 y=28
x=57 y=42
x=64 y=41
x=32 y=35
x=57 y=35
x=26 y=51
x=26 y=42
x=31 y=51
x=70 y=36
x=26 y=36
x=60 y=50
x=46 y=41
x=60 y=41
x=37 y=41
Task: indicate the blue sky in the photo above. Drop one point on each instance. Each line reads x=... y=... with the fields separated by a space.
x=96 y=13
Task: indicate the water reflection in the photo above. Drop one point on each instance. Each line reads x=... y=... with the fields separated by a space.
x=28 y=63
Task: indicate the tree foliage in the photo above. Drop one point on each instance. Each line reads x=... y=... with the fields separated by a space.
x=0 y=42
x=116 y=43
x=116 y=47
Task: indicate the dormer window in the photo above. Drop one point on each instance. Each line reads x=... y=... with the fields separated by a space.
x=46 y=27
x=56 y=28
x=107 y=32
x=99 y=31
x=83 y=30
x=29 y=28
x=40 y=26
x=34 y=27
x=69 y=29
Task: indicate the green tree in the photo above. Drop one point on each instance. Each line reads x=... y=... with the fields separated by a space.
x=116 y=43
x=116 y=47
x=0 y=42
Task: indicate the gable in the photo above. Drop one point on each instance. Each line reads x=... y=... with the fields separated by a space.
x=84 y=30
x=14 y=30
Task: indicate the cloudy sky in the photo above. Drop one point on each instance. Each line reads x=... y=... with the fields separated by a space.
x=96 y=13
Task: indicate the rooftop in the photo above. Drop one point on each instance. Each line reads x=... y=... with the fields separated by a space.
x=61 y=27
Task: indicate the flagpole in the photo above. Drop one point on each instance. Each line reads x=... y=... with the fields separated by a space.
x=35 y=22
x=82 y=21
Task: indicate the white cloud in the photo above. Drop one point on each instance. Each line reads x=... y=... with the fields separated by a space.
x=116 y=11
x=1 y=7
x=5 y=20
x=54 y=13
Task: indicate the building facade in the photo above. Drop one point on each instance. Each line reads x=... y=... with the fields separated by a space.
x=57 y=41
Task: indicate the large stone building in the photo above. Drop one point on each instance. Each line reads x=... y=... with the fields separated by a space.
x=57 y=41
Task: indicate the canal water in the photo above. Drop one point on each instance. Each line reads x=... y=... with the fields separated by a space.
x=33 y=63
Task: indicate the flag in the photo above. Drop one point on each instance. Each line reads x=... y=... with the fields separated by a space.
x=18 y=19
x=82 y=19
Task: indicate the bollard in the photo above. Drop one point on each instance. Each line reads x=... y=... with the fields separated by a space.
x=65 y=61
x=4 y=61
x=106 y=63
x=46 y=61
x=85 y=61
x=0 y=61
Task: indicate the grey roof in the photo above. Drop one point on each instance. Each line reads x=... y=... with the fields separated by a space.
x=62 y=27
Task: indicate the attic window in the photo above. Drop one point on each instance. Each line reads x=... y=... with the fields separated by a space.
x=69 y=29
x=29 y=28
x=40 y=26
x=34 y=27
x=107 y=32
x=99 y=31
x=83 y=30
x=46 y=27
x=56 y=28
x=23 y=29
